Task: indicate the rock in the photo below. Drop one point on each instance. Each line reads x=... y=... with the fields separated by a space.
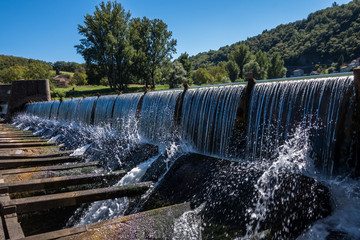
x=228 y=188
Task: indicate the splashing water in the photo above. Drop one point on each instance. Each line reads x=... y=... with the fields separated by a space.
x=103 y=210
x=292 y=157
x=188 y=226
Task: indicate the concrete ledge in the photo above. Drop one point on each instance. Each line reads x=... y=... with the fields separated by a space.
x=25 y=91
x=154 y=224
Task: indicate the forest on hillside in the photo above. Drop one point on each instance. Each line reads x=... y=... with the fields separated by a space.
x=322 y=38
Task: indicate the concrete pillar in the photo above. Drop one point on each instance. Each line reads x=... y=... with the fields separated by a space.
x=239 y=135
x=357 y=120
x=179 y=104
x=25 y=91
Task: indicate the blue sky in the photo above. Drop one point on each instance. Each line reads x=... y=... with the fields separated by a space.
x=47 y=29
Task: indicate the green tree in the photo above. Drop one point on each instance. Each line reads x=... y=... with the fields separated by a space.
x=241 y=55
x=37 y=70
x=185 y=61
x=253 y=67
x=233 y=70
x=202 y=76
x=218 y=73
x=79 y=79
x=276 y=67
x=10 y=74
x=263 y=61
x=105 y=41
x=177 y=75
x=153 y=45
x=340 y=62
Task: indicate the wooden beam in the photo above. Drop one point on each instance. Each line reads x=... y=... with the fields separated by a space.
x=58 y=182
x=48 y=168
x=47 y=155
x=36 y=161
x=29 y=144
x=11 y=140
x=58 y=234
x=32 y=204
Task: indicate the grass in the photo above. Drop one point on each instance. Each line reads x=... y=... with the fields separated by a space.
x=93 y=90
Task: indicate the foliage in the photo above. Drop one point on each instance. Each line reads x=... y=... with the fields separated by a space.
x=185 y=61
x=126 y=50
x=177 y=75
x=253 y=67
x=241 y=55
x=15 y=68
x=37 y=71
x=79 y=79
x=276 y=67
x=233 y=70
x=218 y=73
x=10 y=74
x=68 y=67
x=262 y=60
x=202 y=76
x=152 y=45
x=320 y=38
x=105 y=42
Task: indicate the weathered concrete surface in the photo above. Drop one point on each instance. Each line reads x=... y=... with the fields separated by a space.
x=25 y=91
x=5 y=90
x=154 y=224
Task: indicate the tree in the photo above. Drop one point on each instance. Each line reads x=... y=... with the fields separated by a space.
x=202 y=76
x=263 y=62
x=37 y=70
x=276 y=67
x=253 y=67
x=185 y=61
x=153 y=46
x=340 y=62
x=233 y=70
x=177 y=75
x=79 y=79
x=105 y=41
x=218 y=73
x=241 y=55
x=10 y=74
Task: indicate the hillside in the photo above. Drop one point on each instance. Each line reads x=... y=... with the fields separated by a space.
x=320 y=38
x=10 y=61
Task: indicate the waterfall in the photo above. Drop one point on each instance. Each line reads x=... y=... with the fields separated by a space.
x=84 y=110
x=40 y=109
x=68 y=109
x=157 y=115
x=54 y=110
x=208 y=117
x=125 y=111
x=278 y=108
x=103 y=109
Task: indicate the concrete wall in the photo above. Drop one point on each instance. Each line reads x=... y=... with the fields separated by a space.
x=5 y=93
x=25 y=91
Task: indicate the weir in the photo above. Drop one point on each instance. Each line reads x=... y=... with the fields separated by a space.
x=243 y=155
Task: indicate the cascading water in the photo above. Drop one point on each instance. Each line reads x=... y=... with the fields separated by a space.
x=157 y=115
x=208 y=118
x=124 y=112
x=278 y=108
x=103 y=109
x=292 y=129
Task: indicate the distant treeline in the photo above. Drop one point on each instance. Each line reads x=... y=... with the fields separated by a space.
x=322 y=38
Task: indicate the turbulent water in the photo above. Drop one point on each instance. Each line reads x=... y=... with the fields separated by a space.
x=292 y=128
